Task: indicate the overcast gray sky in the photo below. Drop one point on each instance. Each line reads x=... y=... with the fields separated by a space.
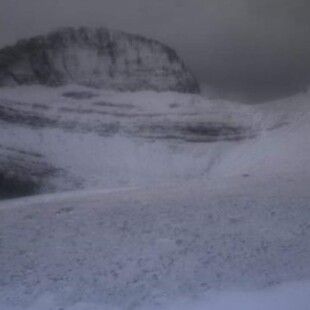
x=244 y=48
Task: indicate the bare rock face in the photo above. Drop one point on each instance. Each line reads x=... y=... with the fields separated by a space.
x=99 y=58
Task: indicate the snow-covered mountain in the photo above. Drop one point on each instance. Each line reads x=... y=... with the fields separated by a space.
x=177 y=202
x=99 y=58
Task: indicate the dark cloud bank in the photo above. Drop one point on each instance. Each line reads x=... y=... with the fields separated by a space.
x=249 y=50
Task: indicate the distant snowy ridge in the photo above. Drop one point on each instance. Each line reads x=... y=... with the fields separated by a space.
x=99 y=58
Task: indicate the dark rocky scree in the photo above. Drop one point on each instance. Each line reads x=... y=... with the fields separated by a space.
x=23 y=173
x=99 y=58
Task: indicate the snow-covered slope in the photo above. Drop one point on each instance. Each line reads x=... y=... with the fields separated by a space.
x=56 y=139
x=99 y=58
x=283 y=145
x=190 y=203
x=73 y=137
x=242 y=243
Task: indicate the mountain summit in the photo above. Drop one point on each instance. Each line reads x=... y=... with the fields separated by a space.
x=99 y=58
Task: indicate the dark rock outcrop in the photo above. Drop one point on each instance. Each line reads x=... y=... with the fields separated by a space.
x=99 y=58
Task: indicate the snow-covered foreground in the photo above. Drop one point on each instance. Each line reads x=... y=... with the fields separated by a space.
x=283 y=297
x=187 y=224
x=242 y=243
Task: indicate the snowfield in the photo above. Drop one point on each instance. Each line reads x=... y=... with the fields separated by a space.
x=165 y=212
x=195 y=245
x=79 y=138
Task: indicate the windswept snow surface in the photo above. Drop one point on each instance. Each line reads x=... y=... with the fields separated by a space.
x=242 y=243
x=283 y=145
x=172 y=223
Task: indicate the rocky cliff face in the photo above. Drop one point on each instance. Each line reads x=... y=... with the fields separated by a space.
x=98 y=58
